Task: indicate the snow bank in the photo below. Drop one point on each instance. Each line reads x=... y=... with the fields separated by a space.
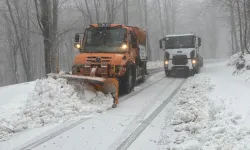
x=240 y=62
x=202 y=122
x=154 y=65
x=54 y=101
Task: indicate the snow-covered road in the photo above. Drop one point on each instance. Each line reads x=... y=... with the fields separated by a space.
x=116 y=126
x=204 y=112
x=14 y=103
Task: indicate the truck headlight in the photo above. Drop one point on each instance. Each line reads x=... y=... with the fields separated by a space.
x=166 y=62
x=77 y=45
x=194 y=61
x=124 y=46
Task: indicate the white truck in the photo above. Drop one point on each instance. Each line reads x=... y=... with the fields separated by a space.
x=182 y=54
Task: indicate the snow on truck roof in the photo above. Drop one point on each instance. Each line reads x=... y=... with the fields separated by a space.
x=179 y=35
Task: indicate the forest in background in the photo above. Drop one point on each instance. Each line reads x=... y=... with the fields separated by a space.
x=38 y=34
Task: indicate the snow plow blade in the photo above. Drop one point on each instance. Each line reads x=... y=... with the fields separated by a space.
x=105 y=85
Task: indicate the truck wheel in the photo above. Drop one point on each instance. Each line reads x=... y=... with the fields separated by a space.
x=191 y=73
x=167 y=73
x=197 y=70
x=127 y=84
x=142 y=79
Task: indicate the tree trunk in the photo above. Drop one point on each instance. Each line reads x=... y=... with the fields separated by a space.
x=108 y=11
x=45 y=21
x=97 y=8
x=125 y=12
x=54 y=26
x=173 y=8
x=146 y=28
x=140 y=13
x=240 y=25
x=18 y=34
x=13 y=50
x=233 y=26
x=160 y=17
x=167 y=29
x=89 y=13
x=246 y=27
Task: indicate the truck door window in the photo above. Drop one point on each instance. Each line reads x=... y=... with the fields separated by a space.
x=130 y=38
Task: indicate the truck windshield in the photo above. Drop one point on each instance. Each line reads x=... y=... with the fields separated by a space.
x=104 y=40
x=180 y=42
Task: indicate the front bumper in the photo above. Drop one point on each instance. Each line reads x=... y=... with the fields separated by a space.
x=188 y=66
x=102 y=70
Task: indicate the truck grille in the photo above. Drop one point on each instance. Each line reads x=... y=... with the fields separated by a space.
x=95 y=59
x=180 y=60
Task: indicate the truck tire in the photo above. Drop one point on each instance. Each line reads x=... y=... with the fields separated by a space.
x=142 y=79
x=144 y=73
x=197 y=70
x=167 y=73
x=191 y=73
x=127 y=83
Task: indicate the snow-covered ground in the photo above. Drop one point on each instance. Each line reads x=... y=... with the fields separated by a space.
x=48 y=103
x=30 y=109
x=241 y=63
x=156 y=64
x=211 y=112
x=107 y=131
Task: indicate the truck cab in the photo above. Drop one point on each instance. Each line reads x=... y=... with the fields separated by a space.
x=112 y=51
x=182 y=54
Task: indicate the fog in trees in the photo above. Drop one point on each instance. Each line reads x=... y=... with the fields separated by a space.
x=37 y=35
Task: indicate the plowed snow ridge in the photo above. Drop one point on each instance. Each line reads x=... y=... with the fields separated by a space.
x=54 y=101
x=203 y=123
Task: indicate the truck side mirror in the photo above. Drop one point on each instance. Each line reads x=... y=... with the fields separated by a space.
x=162 y=44
x=77 y=38
x=134 y=42
x=199 y=41
x=78 y=42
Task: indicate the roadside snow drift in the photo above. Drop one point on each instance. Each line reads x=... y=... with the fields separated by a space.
x=202 y=122
x=54 y=101
x=240 y=62
x=154 y=65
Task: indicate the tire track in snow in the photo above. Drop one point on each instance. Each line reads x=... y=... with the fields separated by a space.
x=41 y=140
x=136 y=133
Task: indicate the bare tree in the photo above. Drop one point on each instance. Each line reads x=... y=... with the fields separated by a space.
x=125 y=12
x=146 y=27
x=112 y=7
x=12 y=56
x=166 y=15
x=233 y=27
x=240 y=25
x=97 y=5
x=54 y=34
x=160 y=16
x=89 y=14
x=47 y=18
x=22 y=34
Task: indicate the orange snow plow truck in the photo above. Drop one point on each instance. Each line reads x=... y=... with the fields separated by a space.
x=112 y=58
